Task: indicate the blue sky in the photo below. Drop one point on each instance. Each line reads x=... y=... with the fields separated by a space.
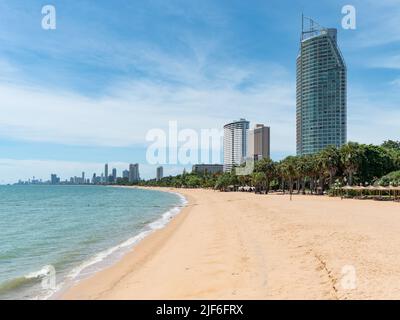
x=86 y=93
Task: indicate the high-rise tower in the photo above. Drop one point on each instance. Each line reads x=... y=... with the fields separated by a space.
x=134 y=173
x=259 y=142
x=106 y=173
x=235 y=143
x=321 y=90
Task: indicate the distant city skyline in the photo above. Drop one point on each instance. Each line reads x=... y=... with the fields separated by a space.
x=70 y=105
x=131 y=175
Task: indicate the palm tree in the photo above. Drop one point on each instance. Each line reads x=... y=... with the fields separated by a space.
x=267 y=166
x=279 y=169
x=305 y=167
x=288 y=171
x=329 y=160
x=223 y=181
x=258 y=180
x=351 y=158
x=244 y=180
x=315 y=171
x=300 y=174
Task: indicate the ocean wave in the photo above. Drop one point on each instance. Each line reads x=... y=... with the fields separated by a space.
x=40 y=273
x=166 y=217
x=29 y=279
x=14 y=284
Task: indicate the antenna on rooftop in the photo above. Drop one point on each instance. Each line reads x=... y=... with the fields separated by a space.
x=309 y=27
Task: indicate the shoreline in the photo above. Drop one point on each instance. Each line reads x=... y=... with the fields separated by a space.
x=110 y=256
x=63 y=292
x=247 y=246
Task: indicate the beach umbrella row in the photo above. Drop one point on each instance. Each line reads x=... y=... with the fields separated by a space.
x=380 y=189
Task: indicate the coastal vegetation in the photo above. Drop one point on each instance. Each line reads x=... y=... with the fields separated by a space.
x=351 y=164
x=392 y=178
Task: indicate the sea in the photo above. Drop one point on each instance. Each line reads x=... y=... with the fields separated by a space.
x=51 y=237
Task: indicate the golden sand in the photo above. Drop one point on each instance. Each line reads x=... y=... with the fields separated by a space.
x=247 y=246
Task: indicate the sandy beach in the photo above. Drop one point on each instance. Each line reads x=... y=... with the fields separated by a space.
x=247 y=246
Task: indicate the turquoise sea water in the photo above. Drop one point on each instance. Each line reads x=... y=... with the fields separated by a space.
x=71 y=231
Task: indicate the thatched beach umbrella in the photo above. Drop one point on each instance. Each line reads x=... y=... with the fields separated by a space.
x=395 y=191
x=348 y=188
x=374 y=189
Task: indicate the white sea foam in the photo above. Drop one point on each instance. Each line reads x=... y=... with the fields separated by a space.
x=119 y=250
x=43 y=274
x=44 y=271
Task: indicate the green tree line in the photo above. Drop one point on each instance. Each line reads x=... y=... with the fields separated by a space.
x=351 y=164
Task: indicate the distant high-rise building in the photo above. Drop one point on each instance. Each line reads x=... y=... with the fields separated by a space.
x=321 y=97
x=134 y=173
x=54 y=179
x=106 y=173
x=83 y=178
x=259 y=142
x=160 y=173
x=235 y=143
x=97 y=179
x=114 y=175
x=125 y=174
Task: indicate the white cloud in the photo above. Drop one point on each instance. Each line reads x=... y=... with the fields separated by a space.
x=189 y=86
x=386 y=62
x=123 y=117
x=395 y=82
x=378 y=23
x=373 y=116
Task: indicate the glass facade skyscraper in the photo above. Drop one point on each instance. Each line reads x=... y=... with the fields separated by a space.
x=321 y=90
x=235 y=143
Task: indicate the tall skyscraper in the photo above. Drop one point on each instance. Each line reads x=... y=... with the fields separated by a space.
x=134 y=173
x=114 y=175
x=321 y=90
x=259 y=142
x=125 y=174
x=235 y=143
x=106 y=173
x=160 y=173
